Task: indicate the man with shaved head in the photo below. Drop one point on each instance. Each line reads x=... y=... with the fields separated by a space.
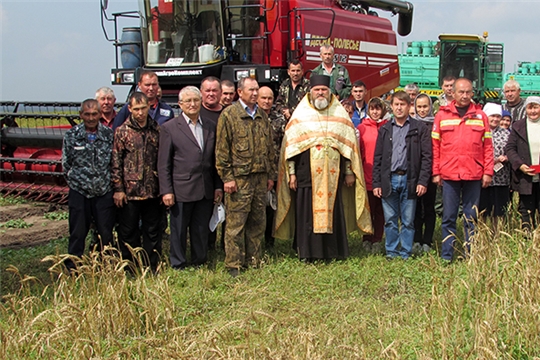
x=278 y=122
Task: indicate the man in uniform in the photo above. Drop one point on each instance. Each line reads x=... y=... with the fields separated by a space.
x=321 y=189
x=86 y=162
x=159 y=111
x=292 y=90
x=245 y=163
x=135 y=182
x=340 y=82
x=462 y=161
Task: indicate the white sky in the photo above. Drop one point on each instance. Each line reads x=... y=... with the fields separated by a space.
x=56 y=50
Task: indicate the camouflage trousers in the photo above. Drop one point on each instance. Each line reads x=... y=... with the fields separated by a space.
x=246 y=221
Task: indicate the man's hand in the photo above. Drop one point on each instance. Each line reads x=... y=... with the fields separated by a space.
x=486 y=180
x=437 y=180
x=377 y=192
x=420 y=190
x=287 y=113
x=349 y=180
x=292 y=182
x=230 y=187
x=526 y=170
x=168 y=200
x=270 y=185
x=120 y=199
x=218 y=196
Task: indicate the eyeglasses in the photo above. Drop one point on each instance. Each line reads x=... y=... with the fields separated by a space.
x=191 y=101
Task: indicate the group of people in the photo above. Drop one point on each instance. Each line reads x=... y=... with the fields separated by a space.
x=302 y=168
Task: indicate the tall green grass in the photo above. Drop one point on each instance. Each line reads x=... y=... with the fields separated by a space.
x=485 y=307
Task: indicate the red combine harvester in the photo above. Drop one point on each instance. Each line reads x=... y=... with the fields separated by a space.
x=184 y=41
x=31 y=148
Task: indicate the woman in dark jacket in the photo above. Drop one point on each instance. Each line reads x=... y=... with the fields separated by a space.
x=523 y=151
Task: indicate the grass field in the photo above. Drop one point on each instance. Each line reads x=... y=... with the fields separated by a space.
x=486 y=307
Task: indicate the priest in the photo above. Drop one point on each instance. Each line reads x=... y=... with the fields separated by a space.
x=321 y=188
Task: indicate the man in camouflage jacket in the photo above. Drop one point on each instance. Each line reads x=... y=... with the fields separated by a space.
x=292 y=90
x=340 y=82
x=245 y=163
x=86 y=159
x=135 y=182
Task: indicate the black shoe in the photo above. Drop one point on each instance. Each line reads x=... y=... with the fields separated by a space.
x=234 y=272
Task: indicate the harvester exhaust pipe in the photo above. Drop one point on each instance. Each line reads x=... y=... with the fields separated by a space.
x=403 y=8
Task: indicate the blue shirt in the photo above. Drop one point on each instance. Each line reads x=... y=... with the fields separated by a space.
x=359 y=114
x=161 y=114
x=399 y=145
x=248 y=110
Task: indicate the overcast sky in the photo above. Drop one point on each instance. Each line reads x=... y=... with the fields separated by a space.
x=56 y=50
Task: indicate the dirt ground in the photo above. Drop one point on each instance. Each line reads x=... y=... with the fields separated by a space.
x=41 y=231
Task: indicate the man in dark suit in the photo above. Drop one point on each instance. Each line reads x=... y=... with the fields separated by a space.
x=188 y=180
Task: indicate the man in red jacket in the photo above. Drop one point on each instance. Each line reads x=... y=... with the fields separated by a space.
x=462 y=161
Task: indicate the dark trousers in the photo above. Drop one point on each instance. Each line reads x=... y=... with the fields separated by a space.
x=377 y=218
x=268 y=237
x=528 y=207
x=82 y=212
x=494 y=201
x=424 y=220
x=454 y=191
x=141 y=216
x=195 y=216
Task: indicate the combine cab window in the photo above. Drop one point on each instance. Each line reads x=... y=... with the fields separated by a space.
x=460 y=59
x=183 y=32
x=245 y=29
x=495 y=58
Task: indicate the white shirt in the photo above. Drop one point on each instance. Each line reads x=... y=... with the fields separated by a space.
x=196 y=129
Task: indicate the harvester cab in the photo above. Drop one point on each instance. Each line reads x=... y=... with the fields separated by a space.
x=184 y=41
x=427 y=63
x=474 y=58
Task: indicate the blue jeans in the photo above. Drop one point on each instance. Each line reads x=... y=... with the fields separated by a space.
x=453 y=191
x=397 y=207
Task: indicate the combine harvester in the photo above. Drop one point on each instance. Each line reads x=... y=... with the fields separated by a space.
x=184 y=41
x=31 y=142
x=426 y=63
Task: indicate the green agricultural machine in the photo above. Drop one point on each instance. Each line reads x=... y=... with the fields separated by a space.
x=426 y=63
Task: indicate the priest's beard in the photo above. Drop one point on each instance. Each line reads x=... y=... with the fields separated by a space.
x=320 y=103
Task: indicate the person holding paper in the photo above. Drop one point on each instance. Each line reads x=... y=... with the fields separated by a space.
x=188 y=180
x=523 y=151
